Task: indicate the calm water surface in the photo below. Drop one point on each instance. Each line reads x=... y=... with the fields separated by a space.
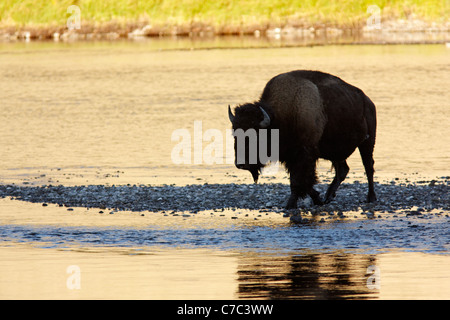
x=104 y=113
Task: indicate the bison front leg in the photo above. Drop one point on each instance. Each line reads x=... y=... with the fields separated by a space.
x=303 y=178
x=292 y=202
x=315 y=196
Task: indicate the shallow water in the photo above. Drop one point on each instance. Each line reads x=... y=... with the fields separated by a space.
x=103 y=114
x=128 y=255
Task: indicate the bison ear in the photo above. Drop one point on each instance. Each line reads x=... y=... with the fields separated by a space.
x=266 y=121
x=230 y=114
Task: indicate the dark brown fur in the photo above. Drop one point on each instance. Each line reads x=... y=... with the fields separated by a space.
x=318 y=115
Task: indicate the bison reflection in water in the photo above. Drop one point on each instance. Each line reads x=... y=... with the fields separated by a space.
x=317 y=115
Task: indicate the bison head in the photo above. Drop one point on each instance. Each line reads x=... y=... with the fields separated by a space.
x=246 y=122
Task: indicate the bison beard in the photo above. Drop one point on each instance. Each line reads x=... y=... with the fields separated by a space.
x=318 y=115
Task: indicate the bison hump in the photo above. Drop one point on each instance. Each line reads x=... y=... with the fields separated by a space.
x=297 y=105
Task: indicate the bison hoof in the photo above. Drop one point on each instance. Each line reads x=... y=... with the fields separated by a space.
x=329 y=197
x=328 y=200
x=318 y=202
x=371 y=198
x=292 y=204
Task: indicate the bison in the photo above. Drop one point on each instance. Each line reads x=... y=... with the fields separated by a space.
x=317 y=115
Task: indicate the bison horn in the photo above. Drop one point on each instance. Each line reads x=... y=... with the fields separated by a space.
x=266 y=121
x=230 y=114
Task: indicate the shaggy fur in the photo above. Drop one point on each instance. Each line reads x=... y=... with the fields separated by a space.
x=296 y=103
x=318 y=115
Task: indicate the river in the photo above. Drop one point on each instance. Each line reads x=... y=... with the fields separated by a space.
x=104 y=113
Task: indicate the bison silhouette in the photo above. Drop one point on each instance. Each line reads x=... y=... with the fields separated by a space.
x=317 y=115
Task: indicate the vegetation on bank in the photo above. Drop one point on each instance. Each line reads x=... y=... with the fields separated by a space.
x=216 y=14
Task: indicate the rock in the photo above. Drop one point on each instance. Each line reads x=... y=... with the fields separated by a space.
x=296 y=219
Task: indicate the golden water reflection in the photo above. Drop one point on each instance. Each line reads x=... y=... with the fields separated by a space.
x=185 y=274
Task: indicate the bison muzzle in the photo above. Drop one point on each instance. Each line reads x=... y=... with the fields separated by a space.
x=317 y=115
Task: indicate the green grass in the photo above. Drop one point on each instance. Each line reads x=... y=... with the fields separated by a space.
x=20 y=13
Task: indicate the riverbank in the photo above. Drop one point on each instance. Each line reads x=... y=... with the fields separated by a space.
x=348 y=21
x=393 y=32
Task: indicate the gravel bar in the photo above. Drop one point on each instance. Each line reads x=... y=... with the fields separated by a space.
x=415 y=198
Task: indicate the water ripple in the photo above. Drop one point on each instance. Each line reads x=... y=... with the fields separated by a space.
x=366 y=236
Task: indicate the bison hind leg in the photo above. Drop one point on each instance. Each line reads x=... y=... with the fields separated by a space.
x=341 y=169
x=366 y=151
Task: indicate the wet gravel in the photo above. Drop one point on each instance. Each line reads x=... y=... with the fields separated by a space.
x=408 y=216
x=411 y=198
